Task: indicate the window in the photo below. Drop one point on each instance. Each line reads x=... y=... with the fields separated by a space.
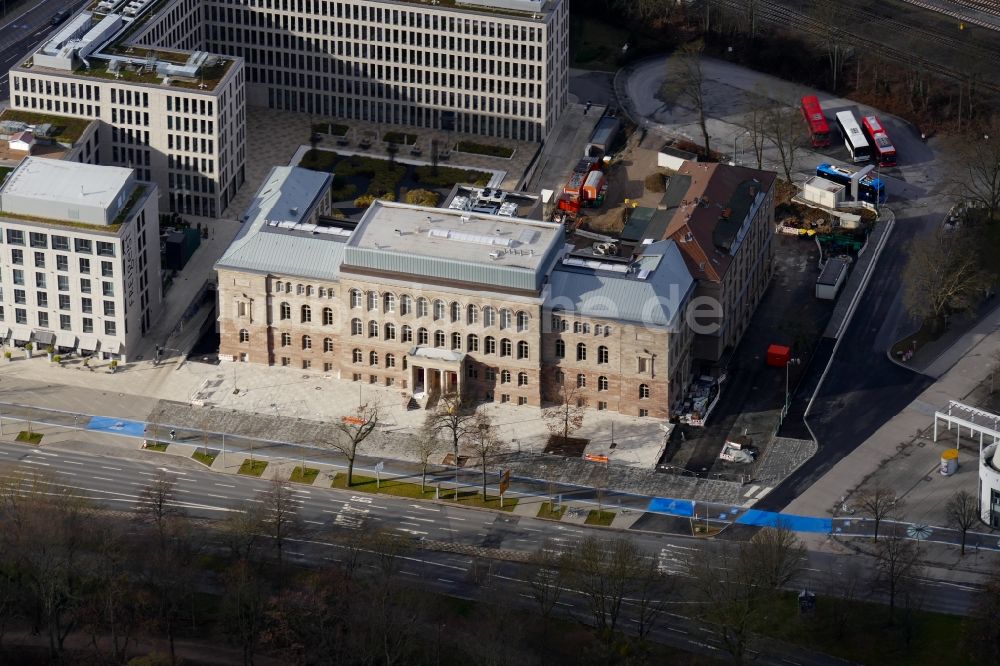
x=390 y=331
x=490 y=345
x=522 y=379
x=581 y=352
x=60 y=243
x=358 y=358
x=505 y=377
x=522 y=400
x=17 y=257
x=601 y=406
x=491 y=374
x=355 y=298
x=373 y=358
x=456 y=340
x=107 y=269
x=109 y=308
x=581 y=381
x=39 y=260
x=108 y=289
x=522 y=321
x=279 y=287
x=438 y=309
x=65 y=323
x=309 y=292
x=389 y=303
x=421 y=336
x=105 y=249
x=86 y=305
x=586 y=328
x=18 y=276
x=306 y=364
x=15 y=237
x=560 y=377
x=506 y=349
x=43 y=299
x=20 y=297
x=456 y=312
x=373 y=329
x=40 y=280
x=472 y=343
x=597 y=329
x=62 y=262
x=307 y=342
x=372 y=298
x=109 y=326
x=505 y=318
x=439 y=338
x=602 y=354
x=21 y=316
x=390 y=360
x=38 y=240
x=327 y=345
x=643 y=413
x=406 y=334
x=643 y=391
x=489 y=316
x=88 y=324
x=64 y=301
x=62 y=281
x=286 y=311
x=244 y=335
x=421 y=307
x=286 y=339
x=328 y=316
x=85 y=285
x=285 y=361
x=405 y=304
x=602 y=383
x=84 y=265
x=299 y=289
x=557 y=323
x=327 y=367
x=472 y=315
x=522 y=350
x=307 y=315
x=505 y=397
x=560 y=349
x=356 y=327
x=643 y=365
x=577 y=327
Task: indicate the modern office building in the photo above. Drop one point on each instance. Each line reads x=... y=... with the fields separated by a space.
x=177 y=117
x=80 y=257
x=435 y=300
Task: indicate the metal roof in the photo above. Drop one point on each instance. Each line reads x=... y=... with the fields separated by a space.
x=652 y=291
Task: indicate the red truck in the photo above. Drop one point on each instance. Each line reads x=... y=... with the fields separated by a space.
x=583 y=190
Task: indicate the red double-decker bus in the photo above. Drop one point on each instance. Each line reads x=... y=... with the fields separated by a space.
x=819 y=130
x=885 y=152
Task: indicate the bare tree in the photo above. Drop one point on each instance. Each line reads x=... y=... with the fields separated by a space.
x=244 y=606
x=981 y=643
x=685 y=83
x=453 y=419
x=783 y=127
x=979 y=174
x=243 y=529
x=776 y=556
x=943 y=274
x=833 y=38
x=606 y=573
x=281 y=515
x=878 y=502
x=157 y=504
x=567 y=416
x=754 y=121
x=351 y=431
x=424 y=444
x=850 y=582
x=898 y=562
x=485 y=444
x=549 y=572
x=962 y=511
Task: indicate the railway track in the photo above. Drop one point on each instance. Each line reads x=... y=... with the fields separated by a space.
x=777 y=14
x=985 y=6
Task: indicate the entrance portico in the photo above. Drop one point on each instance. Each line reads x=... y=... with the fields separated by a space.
x=435 y=371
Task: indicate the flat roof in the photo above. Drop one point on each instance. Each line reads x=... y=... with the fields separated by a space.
x=832 y=271
x=72 y=183
x=454 y=245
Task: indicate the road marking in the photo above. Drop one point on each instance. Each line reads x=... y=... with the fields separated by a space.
x=117 y=469
x=101 y=478
x=224 y=485
x=424 y=508
x=445 y=580
x=403 y=522
x=764 y=492
x=531 y=529
x=216 y=496
x=424 y=520
x=44 y=453
x=147 y=473
x=447 y=529
x=4 y=453
x=563 y=603
x=676 y=630
x=36 y=462
x=314 y=522
x=69 y=462
x=408 y=573
x=750 y=492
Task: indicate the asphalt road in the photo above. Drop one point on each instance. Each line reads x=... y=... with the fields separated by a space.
x=24 y=28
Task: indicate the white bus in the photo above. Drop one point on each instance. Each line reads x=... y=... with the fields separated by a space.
x=854 y=138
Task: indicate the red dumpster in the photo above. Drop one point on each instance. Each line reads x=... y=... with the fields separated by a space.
x=778 y=356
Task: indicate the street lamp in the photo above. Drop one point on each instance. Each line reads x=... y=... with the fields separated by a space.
x=788 y=397
x=736 y=138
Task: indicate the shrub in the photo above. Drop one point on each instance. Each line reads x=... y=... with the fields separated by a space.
x=342 y=191
x=28 y=346
x=422 y=197
x=448 y=176
x=57 y=358
x=319 y=160
x=400 y=137
x=484 y=149
x=364 y=201
x=7 y=354
x=655 y=182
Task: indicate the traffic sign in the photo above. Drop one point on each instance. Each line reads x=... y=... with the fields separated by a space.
x=504 y=481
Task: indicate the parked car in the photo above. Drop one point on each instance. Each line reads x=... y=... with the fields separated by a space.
x=60 y=16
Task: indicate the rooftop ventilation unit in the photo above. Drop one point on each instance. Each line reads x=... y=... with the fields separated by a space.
x=461 y=236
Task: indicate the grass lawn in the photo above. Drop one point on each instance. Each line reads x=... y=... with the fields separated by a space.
x=386 y=487
x=400 y=137
x=29 y=437
x=473 y=498
x=4 y=171
x=546 y=511
x=448 y=176
x=205 y=458
x=914 y=342
x=484 y=149
x=597 y=517
x=594 y=44
x=156 y=446
x=253 y=467
x=308 y=477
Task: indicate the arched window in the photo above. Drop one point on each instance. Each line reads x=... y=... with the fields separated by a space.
x=327 y=345
x=355 y=298
x=602 y=354
x=456 y=340
x=389 y=303
x=322 y=292
x=586 y=328
x=406 y=334
x=286 y=339
x=577 y=327
x=372 y=298
x=357 y=328
x=522 y=379
x=472 y=343
x=358 y=357
x=522 y=349
x=505 y=377
x=489 y=316
x=390 y=360
x=597 y=329
x=560 y=377
x=643 y=391
x=522 y=321
x=373 y=329
x=299 y=289
x=421 y=307
x=581 y=352
x=472 y=315
x=279 y=286
x=286 y=311
x=607 y=331
x=405 y=304
x=456 y=312
x=560 y=349
x=438 y=309
x=307 y=342
x=439 y=338
x=307 y=314
x=602 y=383
x=505 y=318
x=490 y=345
x=390 y=331
x=288 y=287
x=505 y=347
x=421 y=336
x=373 y=358
x=581 y=380
x=328 y=316
x=309 y=290
x=244 y=335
